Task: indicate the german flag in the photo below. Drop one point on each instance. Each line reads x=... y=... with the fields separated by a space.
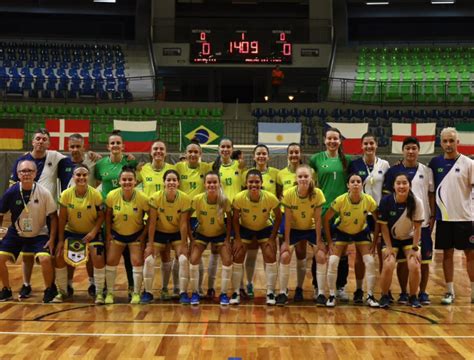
x=12 y=132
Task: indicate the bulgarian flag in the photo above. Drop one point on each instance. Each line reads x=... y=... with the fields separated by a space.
x=466 y=138
x=425 y=133
x=137 y=135
x=61 y=129
x=351 y=135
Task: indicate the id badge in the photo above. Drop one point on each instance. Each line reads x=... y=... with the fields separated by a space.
x=27 y=224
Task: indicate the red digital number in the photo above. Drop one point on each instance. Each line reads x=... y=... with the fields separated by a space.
x=254 y=47
x=202 y=36
x=287 y=49
x=282 y=37
x=206 y=48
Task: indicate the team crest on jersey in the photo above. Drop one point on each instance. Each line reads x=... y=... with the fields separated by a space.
x=236 y=173
x=393 y=213
x=18 y=202
x=135 y=209
x=89 y=207
x=457 y=170
x=380 y=172
x=184 y=177
x=347 y=213
x=362 y=172
x=117 y=207
x=162 y=210
x=36 y=201
x=203 y=213
x=440 y=170
x=325 y=166
x=70 y=206
x=246 y=210
x=149 y=179
x=105 y=174
x=421 y=176
x=264 y=210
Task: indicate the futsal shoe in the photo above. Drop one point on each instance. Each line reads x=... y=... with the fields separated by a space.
x=25 y=292
x=384 y=302
x=49 y=294
x=99 y=299
x=358 y=296
x=403 y=298
x=91 y=290
x=224 y=299
x=271 y=299
x=211 y=293
x=195 y=297
x=235 y=299
x=321 y=300
x=424 y=298
x=298 y=295
x=282 y=299
x=146 y=297
x=371 y=301
x=250 y=291
x=135 y=298
x=243 y=294
x=342 y=295
x=109 y=299
x=414 y=302
x=59 y=298
x=164 y=295
x=184 y=299
x=6 y=294
x=448 y=299
x=331 y=301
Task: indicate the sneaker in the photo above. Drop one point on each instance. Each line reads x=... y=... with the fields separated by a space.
x=175 y=294
x=271 y=299
x=342 y=295
x=331 y=302
x=424 y=298
x=109 y=299
x=234 y=299
x=321 y=300
x=211 y=293
x=49 y=294
x=250 y=291
x=298 y=295
x=414 y=302
x=384 y=301
x=164 y=295
x=184 y=299
x=403 y=299
x=371 y=301
x=70 y=291
x=243 y=294
x=281 y=299
x=224 y=299
x=99 y=299
x=147 y=297
x=358 y=296
x=448 y=299
x=59 y=298
x=391 y=298
x=25 y=292
x=195 y=298
x=130 y=294
x=6 y=294
x=91 y=290
x=201 y=294
x=135 y=298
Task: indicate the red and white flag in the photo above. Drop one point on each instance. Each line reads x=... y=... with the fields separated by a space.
x=61 y=129
x=425 y=133
x=351 y=135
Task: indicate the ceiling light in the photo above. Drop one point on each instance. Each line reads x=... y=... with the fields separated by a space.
x=442 y=2
x=377 y=3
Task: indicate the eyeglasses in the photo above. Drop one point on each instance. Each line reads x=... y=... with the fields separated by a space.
x=26 y=171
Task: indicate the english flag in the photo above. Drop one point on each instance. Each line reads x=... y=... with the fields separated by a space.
x=425 y=133
x=61 y=129
x=351 y=135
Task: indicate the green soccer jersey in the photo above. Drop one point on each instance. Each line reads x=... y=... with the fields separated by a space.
x=108 y=173
x=330 y=176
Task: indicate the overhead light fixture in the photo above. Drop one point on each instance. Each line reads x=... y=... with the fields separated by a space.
x=265 y=98
x=377 y=3
x=105 y=1
x=442 y=2
x=290 y=97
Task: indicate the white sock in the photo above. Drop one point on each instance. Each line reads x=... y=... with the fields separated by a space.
x=271 y=272
x=237 y=273
x=321 y=277
x=149 y=273
x=284 y=277
x=61 y=279
x=332 y=273
x=175 y=270
x=137 y=278
x=183 y=273
x=370 y=273
x=450 y=287
x=359 y=283
x=212 y=270
x=201 y=273
x=250 y=264
x=194 y=277
x=226 y=276
x=166 y=273
x=110 y=274
x=99 y=280
x=300 y=272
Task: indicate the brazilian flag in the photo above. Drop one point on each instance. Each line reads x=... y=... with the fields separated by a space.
x=206 y=132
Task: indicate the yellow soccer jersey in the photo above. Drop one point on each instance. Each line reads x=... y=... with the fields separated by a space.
x=286 y=178
x=210 y=222
x=352 y=218
x=191 y=180
x=269 y=179
x=169 y=212
x=127 y=215
x=302 y=208
x=231 y=178
x=152 y=179
x=82 y=212
x=255 y=215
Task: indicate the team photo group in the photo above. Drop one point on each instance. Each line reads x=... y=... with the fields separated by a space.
x=84 y=209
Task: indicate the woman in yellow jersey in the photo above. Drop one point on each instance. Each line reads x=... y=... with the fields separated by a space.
x=125 y=227
x=213 y=212
x=168 y=225
x=302 y=205
x=251 y=220
x=261 y=157
x=151 y=176
x=81 y=215
x=191 y=181
x=350 y=227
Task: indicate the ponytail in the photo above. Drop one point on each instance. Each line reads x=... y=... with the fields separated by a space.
x=411 y=205
x=340 y=150
x=217 y=163
x=221 y=197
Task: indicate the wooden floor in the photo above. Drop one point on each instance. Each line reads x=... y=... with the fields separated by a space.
x=79 y=329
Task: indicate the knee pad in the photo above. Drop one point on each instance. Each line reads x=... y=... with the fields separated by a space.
x=333 y=263
x=150 y=261
x=368 y=260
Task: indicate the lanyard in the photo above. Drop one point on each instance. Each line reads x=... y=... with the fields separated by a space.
x=25 y=203
x=370 y=178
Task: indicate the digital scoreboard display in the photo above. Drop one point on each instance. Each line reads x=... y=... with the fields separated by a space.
x=241 y=47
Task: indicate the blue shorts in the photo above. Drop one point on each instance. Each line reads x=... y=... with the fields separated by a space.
x=298 y=235
x=98 y=241
x=362 y=238
x=126 y=239
x=426 y=245
x=162 y=239
x=370 y=223
x=248 y=235
x=194 y=223
x=14 y=245
x=400 y=246
x=281 y=230
x=215 y=240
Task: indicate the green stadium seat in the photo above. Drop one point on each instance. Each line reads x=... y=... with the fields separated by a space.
x=11 y=109
x=137 y=112
x=178 y=112
x=112 y=111
x=100 y=111
x=150 y=112
x=23 y=109
x=87 y=111
x=191 y=113
x=165 y=112
x=217 y=113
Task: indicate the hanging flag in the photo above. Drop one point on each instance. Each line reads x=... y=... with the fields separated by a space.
x=12 y=133
x=466 y=138
x=61 y=129
x=206 y=132
x=351 y=135
x=425 y=133
x=277 y=136
x=137 y=135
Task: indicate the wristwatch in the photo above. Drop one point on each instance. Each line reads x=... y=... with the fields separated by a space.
x=415 y=248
